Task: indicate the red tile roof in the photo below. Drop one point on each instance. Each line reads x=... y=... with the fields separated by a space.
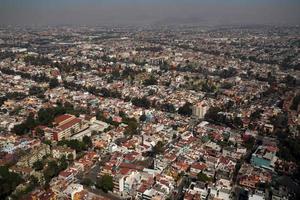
x=199 y=166
x=65 y=173
x=124 y=171
x=62 y=118
x=131 y=166
x=69 y=124
x=272 y=149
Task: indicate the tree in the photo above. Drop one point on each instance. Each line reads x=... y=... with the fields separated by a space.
x=26 y=126
x=143 y=117
x=39 y=132
x=186 y=109
x=208 y=87
x=105 y=92
x=141 y=102
x=68 y=107
x=151 y=81
x=35 y=90
x=70 y=157
x=249 y=144
x=86 y=182
x=45 y=116
x=30 y=121
x=38 y=165
x=289 y=149
x=131 y=129
x=237 y=121
x=256 y=114
x=158 y=148
x=100 y=116
x=20 y=129
x=105 y=183
x=227 y=73
x=295 y=102
x=20 y=194
x=203 y=177
x=63 y=164
x=212 y=114
x=271 y=78
x=34 y=181
x=122 y=114
x=9 y=182
x=51 y=171
x=168 y=107
x=290 y=80
x=87 y=141
x=174 y=136
x=48 y=142
x=280 y=121
x=115 y=74
x=73 y=144
x=237 y=169
x=127 y=72
x=59 y=110
x=53 y=83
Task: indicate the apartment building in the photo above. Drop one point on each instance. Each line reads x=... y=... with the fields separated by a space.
x=65 y=126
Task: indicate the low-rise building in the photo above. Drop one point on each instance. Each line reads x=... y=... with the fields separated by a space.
x=37 y=153
x=59 y=151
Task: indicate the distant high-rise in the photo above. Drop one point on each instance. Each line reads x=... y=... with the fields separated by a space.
x=200 y=109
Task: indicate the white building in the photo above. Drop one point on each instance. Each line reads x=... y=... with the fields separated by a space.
x=200 y=109
x=72 y=189
x=60 y=151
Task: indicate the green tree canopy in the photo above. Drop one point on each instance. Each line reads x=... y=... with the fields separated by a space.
x=63 y=164
x=212 y=114
x=143 y=117
x=8 y=182
x=150 y=81
x=203 y=177
x=86 y=182
x=87 y=141
x=141 y=102
x=53 y=83
x=158 y=148
x=77 y=145
x=185 y=109
x=38 y=165
x=105 y=183
x=51 y=171
x=35 y=90
x=70 y=157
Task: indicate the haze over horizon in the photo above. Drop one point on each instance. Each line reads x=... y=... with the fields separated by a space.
x=148 y=12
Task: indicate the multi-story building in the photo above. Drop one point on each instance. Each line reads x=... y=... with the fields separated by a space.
x=35 y=154
x=200 y=109
x=66 y=126
x=41 y=194
x=59 y=151
x=118 y=183
x=126 y=182
x=264 y=157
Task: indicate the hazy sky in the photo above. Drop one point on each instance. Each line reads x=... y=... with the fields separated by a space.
x=97 y=12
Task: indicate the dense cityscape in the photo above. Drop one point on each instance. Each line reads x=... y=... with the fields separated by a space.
x=170 y=112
